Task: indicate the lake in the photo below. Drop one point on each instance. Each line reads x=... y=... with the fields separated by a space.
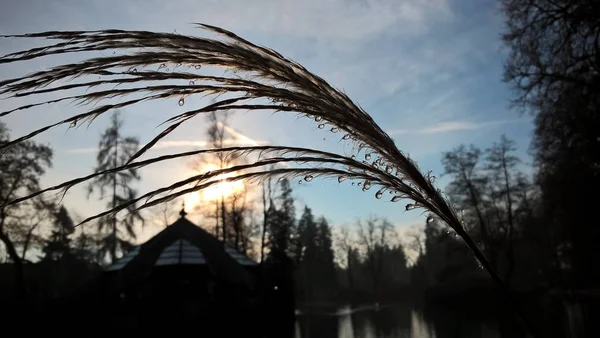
x=392 y=321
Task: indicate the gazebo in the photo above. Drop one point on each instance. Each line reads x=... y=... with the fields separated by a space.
x=184 y=274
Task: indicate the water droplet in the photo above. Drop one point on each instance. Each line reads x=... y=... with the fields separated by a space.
x=367 y=186
x=318 y=118
x=321 y=126
x=359 y=184
x=134 y=70
x=73 y=124
x=308 y=178
x=389 y=169
x=299 y=181
x=353 y=157
x=324 y=139
x=480 y=266
x=447 y=232
x=341 y=178
x=379 y=194
x=429 y=219
x=367 y=156
x=179 y=64
x=281 y=179
x=347 y=136
x=409 y=206
x=192 y=83
x=353 y=183
x=166 y=69
x=162 y=65
x=198 y=66
x=181 y=102
x=114 y=52
x=396 y=198
x=455 y=234
x=235 y=71
x=334 y=130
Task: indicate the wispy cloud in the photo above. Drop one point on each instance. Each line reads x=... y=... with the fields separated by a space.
x=238 y=139
x=451 y=126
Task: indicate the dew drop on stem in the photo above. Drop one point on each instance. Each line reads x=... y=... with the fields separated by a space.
x=367 y=186
x=379 y=194
x=321 y=126
x=347 y=136
x=334 y=130
x=181 y=102
x=192 y=83
x=429 y=219
x=308 y=178
x=198 y=66
x=409 y=206
x=389 y=169
x=318 y=118
x=367 y=156
x=341 y=178
x=396 y=198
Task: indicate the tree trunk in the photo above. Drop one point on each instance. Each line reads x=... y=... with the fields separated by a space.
x=113 y=249
x=264 y=228
x=350 y=276
x=223 y=221
x=17 y=263
x=484 y=231
x=27 y=242
x=510 y=255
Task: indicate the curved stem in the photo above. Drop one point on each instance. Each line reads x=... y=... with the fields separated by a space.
x=504 y=288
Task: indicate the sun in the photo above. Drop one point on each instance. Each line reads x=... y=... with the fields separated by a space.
x=223 y=189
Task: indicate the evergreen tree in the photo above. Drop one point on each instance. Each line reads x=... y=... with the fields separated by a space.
x=59 y=243
x=283 y=230
x=115 y=150
x=326 y=265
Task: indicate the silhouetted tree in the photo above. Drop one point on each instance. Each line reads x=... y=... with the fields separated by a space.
x=374 y=235
x=282 y=222
x=21 y=166
x=115 y=150
x=554 y=67
x=326 y=264
x=467 y=188
x=59 y=243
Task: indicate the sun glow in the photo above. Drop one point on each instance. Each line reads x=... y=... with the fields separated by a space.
x=223 y=189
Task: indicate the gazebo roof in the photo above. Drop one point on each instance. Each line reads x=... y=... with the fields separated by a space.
x=184 y=243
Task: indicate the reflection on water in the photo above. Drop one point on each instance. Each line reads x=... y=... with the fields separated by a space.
x=396 y=321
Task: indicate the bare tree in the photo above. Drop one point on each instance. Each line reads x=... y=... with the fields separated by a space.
x=375 y=236
x=21 y=167
x=345 y=245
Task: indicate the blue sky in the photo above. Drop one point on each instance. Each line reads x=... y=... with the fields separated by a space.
x=428 y=71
